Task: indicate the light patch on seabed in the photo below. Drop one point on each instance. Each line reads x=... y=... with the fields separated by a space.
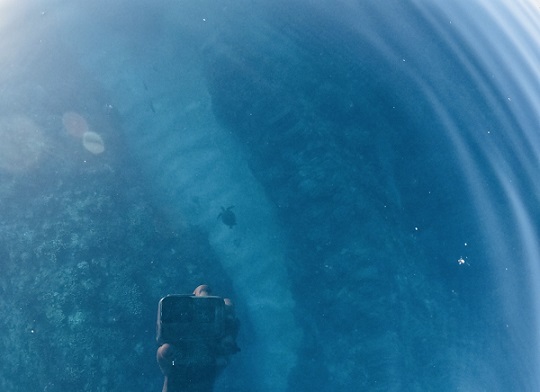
x=195 y=167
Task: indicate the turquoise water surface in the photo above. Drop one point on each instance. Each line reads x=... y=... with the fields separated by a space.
x=382 y=159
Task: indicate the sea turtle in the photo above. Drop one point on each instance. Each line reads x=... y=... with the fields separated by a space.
x=227 y=216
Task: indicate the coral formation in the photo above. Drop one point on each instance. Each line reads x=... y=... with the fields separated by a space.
x=22 y=143
x=82 y=273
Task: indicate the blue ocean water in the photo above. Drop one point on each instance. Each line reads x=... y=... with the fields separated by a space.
x=382 y=160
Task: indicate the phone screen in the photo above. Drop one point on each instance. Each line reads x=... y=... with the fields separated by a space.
x=186 y=317
x=177 y=309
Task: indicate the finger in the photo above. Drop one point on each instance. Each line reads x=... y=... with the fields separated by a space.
x=202 y=291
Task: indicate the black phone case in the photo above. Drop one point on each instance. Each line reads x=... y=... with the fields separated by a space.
x=189 y=318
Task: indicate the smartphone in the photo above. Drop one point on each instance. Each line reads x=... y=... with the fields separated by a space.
x=189 y=318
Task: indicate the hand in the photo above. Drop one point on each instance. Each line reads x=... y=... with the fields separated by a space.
x=165 y=357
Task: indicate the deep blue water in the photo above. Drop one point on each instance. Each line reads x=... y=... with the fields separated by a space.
x=382 y=160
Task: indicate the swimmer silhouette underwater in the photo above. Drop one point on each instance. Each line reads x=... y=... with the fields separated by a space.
x=190 y=359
